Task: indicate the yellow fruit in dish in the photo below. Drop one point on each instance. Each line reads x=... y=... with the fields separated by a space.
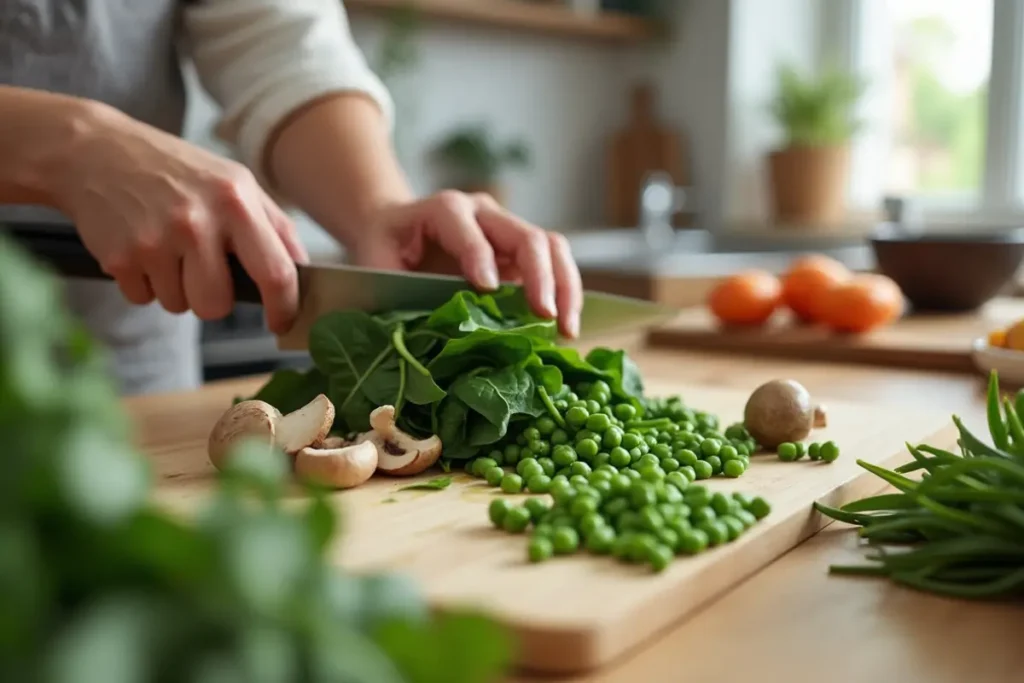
x=1015 y=337
x=997 y=338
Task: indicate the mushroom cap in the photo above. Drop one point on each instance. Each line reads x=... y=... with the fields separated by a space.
x=307 y=426
x=342 y=468
x=779 y=411
x=245 y=421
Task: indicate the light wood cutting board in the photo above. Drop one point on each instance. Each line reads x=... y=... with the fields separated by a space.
x=927 y=342
x=579 y=613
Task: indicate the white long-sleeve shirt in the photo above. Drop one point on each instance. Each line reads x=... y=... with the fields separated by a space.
x=262 y=59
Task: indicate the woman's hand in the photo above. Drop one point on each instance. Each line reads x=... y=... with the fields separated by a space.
x=487 y=241
x=159 y=214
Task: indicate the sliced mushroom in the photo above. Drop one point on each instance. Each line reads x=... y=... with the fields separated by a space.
x=307 y=426
x=245 y=421
x=340 y=467
x=398 y=453
x=260 y=421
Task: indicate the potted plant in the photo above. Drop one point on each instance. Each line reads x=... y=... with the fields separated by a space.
x=476 y=159
x=808 y=173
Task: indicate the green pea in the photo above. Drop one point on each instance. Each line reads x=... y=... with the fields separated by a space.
x=688 y=472
x=547 y=465
x=829 y=451
x=543 y=530
x=670 y=495
x=526 y=452
x=728 y=452
x=661 y=451
x=667 y=536
x=511 y=454
x=527 y=467
x=693 y=541
x=686 y=457
x=648 y=460
x=564 y=455
x=516 y=520
x=801 y=449
x=709 y=447
x=612 y=438
x=511 y=483
x=576 y=416
x=497 y=456
x=650 y=518
x=587 y=449
x=670 y=464
x=814 y=451
x=540 y=549
x=650 y=440
x=561 y=405
x=600 y=386
x=665 y=437
x=560 y=480
x=539 y=483
x=562 y=495
x=615 y=507
x=733 y=468
x=723 y=503
x=494 y=476
x=716 y=531
x=592 y=406
x=700 y=515
x=565 y=540
x=598 y=423
x=582 y=506
x=741 y=449
x=630 y=440
x=497 y=511
x=481 y=465
x=641 y=548
x=622 y=545
x=619 y=457
x=660 y=557
x=572 y=397
x=632 y=474
x=635 y=454
x=703 y=469
x=621 y=484
x=545 y=425
x=677 y=479
x=531 y=434
x=642 y=493
x=625 y=412
x=579 y=481
x=652 y=474
x=586 y=434
x=541 y=448
x=746 y=517
x=734 y=527
x=559 y=436
x=537 y=508
x=601 y=458
x=787 y=451
x=467 y=467
x=715 y=462
x=581 y=468
x=601 y=540
x=589 y=523
x=697 y=496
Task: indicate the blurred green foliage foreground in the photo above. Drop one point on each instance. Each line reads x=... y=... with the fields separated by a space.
x=97 y=585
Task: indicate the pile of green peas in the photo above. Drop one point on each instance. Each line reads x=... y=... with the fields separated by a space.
x=635 y=521
x=793 y=451
x=584 y=430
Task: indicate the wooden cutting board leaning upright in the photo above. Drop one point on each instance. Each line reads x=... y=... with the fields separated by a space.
x=644 y=145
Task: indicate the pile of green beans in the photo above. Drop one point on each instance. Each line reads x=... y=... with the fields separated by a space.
x=635 y=521
x=589 y=431
x=958 y=530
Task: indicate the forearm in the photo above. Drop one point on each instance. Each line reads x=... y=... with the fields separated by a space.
x=36 y=130
x=334 y=159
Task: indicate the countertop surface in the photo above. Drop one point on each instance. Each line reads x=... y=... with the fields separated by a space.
x=791 y=621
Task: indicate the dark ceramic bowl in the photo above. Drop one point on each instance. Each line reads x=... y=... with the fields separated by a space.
x=949 y=270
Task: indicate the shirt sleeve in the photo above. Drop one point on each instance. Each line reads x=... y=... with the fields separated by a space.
x=262 y=59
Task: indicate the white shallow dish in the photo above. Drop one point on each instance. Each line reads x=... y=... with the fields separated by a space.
x=1009 y=364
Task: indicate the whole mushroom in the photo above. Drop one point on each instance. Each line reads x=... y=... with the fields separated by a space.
x=337 y=464
x=781 y=411
x=398 y=453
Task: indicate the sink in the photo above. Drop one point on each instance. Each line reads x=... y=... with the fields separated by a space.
x=702 y=253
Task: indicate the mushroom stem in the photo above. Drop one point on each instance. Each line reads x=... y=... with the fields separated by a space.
x=399 y=453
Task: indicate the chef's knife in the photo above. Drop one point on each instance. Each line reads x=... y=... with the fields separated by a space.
x=328 y=287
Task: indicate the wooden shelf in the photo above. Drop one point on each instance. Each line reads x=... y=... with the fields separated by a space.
x=535 y=16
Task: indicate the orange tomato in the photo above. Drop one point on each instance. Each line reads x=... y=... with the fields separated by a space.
x=862 y=303
x=1014 y=337
x=805 y=285
x=997 y=338
x=746 y=298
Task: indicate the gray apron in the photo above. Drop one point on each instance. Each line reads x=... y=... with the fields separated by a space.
x=123 y=53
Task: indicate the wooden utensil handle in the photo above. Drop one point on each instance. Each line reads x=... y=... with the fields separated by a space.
x=62 y=248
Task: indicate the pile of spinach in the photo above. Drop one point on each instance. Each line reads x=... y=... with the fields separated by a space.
x=99 y=585
x=465 y=371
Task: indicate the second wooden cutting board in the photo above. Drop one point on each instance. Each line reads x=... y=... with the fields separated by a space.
x=581 y=612
x=926 y=341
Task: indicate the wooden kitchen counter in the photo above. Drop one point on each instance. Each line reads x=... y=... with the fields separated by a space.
x=791 y=622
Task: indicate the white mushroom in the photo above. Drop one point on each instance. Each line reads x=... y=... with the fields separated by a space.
x=398 y=453
x=244 y=421
x=339 y=467
x=260 y=421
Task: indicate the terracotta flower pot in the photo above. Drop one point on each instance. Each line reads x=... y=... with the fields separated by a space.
x=808 y=184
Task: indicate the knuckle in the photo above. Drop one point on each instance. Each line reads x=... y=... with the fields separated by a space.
x=184 y=221
x=148 y=243
x=559 y=242
x=536 y=241
x=279 y=275
x=232 y=186
x=451 y=201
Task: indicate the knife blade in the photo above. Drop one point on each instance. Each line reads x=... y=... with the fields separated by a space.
x=324 y=288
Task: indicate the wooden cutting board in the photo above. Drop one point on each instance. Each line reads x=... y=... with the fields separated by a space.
x=574 y=614
x=927 y=342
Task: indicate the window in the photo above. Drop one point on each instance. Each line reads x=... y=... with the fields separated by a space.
x=943 y=109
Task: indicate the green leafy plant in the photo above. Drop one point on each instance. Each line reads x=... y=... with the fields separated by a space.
x=100 y=585
x=817 y=110
x=477 y=158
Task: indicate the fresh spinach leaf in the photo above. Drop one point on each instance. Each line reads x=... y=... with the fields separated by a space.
x=435 y=484
x=288 y=390
x=481 y=348
x=497 y=396
x=621 y=368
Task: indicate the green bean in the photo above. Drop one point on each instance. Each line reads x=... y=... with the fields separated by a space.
x=1009 y=583
x=996 y=425
x=974 y=445
x=1015 y=427
x=897 y=480
x=552 y=411
x=885 y=501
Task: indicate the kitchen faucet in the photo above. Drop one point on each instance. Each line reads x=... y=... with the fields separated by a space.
x=660 y=199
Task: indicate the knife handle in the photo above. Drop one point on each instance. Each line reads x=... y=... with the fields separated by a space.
x=62 y=248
